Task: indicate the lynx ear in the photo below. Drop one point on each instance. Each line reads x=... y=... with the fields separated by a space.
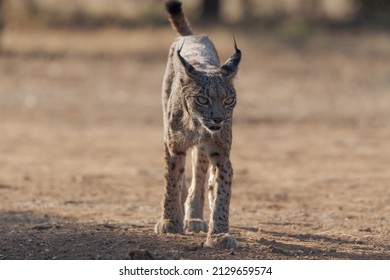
x=190 y=70
x=230 y=68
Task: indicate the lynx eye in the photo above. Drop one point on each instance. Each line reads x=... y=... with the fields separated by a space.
x=229 y=101
x=202 y=100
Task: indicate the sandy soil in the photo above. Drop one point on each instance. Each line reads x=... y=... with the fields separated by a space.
x=81 y=147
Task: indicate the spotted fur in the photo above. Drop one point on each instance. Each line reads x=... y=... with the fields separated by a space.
x=198 y=100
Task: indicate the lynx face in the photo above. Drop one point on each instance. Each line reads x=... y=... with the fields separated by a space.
x=212 y=106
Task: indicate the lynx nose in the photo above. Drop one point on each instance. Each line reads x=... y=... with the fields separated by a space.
x=218 y=120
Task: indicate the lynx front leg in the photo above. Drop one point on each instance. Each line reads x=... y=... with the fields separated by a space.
x=219 y=196
x=172 y=216
x=193 y=221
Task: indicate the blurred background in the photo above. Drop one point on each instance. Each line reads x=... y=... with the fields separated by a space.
x=281 y=33
x=81 y=119
x=81 y=122
x=131 y=13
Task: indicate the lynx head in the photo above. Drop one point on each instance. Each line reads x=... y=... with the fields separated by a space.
x=209 y=96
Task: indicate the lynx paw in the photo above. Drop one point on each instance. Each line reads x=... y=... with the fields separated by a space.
x=222 y=240
x=195 y=225
x=168 y=226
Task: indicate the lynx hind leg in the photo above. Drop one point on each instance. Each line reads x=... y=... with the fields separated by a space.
x=195 y=225
x=193 y=221
x=183 y=193
x=172 y=216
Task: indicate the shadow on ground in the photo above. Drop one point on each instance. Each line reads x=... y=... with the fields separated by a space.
x=36 y=237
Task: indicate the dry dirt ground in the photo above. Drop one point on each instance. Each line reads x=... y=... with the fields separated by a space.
x=81 y=151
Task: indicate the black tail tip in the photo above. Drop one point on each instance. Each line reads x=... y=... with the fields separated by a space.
x=173 y=7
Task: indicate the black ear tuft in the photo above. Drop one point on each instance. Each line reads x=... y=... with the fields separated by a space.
x=229 y=69
x=173 y=7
